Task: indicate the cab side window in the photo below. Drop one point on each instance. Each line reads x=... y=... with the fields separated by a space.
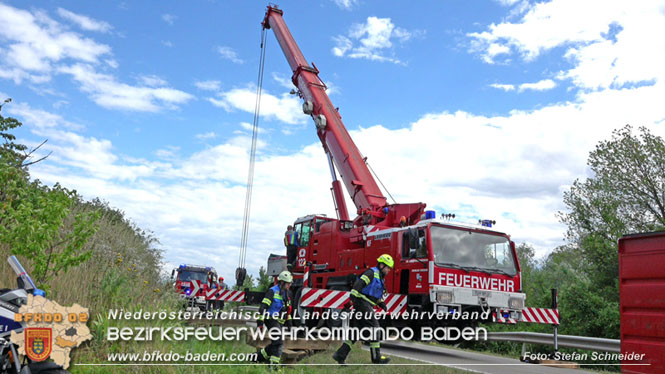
x=405 y=244
x=418 y=243
x=421 y=250
x=304 y=234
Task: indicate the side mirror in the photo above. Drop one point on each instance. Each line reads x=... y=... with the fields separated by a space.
x=172 y=274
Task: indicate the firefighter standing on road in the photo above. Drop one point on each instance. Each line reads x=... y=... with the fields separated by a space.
x=276 y=306
x=368 y=292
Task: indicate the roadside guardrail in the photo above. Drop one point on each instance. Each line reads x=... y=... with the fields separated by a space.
x=570 y=341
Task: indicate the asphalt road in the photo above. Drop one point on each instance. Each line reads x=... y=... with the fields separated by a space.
x=471 y=361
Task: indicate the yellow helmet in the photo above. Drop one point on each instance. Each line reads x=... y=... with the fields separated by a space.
x=285 y=276
x=387 y=260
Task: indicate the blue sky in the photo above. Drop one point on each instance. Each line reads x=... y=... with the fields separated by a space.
x=487 y=109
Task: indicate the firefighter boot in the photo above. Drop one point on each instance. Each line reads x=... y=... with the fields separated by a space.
x=342 y=352
x=274 y=364
x=375 y=351
x=262 y=356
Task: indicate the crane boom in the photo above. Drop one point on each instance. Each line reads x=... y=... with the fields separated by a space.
x=334 y=137
x=439 y=265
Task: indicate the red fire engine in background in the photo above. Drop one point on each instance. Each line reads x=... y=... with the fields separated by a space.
x=440 y=265
x=192 y=283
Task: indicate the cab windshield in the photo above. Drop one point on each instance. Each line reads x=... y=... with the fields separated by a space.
x=186 y=276
x=472 y=251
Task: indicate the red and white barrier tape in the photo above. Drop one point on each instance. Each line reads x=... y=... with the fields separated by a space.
x=225 y=295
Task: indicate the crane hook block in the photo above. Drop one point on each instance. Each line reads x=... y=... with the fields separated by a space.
x=308 y=107
x=320 y=121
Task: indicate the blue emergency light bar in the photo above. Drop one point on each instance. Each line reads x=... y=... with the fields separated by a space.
x=486 y=222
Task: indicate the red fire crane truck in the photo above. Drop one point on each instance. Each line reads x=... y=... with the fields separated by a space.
x=440 y=266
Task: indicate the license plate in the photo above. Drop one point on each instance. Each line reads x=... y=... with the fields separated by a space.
x=480 y=293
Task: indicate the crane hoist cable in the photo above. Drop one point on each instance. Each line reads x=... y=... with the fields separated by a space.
x=241 y=272
x=381 y=183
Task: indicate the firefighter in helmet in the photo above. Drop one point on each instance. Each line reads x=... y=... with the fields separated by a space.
x=368 y=292
x=274 y=312
x=222 y=286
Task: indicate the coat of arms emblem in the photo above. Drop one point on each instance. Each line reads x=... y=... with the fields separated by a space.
x=38 y=343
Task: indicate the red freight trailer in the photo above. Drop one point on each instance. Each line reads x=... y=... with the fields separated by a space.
x=642 y=290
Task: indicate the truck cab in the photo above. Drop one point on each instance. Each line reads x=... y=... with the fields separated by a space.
x=191 y=283
x=442 y=266
x=469 y=268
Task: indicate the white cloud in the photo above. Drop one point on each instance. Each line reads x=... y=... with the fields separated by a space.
x=372 y=40
x=109 y=93
x=283 y=80
x=85 y=22
x=39 y=47
x=507 y=2
x=345 y=4
x=34 y=42
x=41 y=119
x=228 y=53
x=286 y=108
x=603 y=40
x=152 y=81
x=169 y=18
x=206 y=136
x=542 y=85
x=208 y=85
x=493 y=50
x=504 y=87
x=248 y=126
x=170 y=152
x=112 y=63
x=343 y=44
x=167 y=43
x=60 y=103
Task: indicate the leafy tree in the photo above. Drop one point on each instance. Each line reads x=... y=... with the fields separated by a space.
x=263 y=282
x=36 y=221
x=626 y=194
x=9 y=150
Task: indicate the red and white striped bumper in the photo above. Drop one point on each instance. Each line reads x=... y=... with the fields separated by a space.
x=533 y=315
x=321 y=298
